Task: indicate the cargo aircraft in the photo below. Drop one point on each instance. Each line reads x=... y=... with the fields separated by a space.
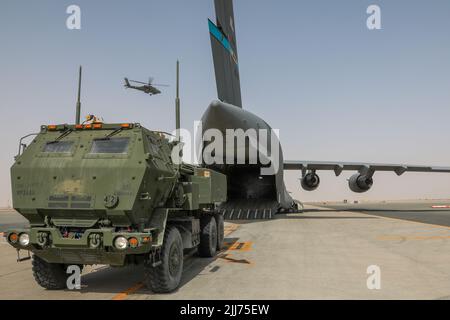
x=252 y=195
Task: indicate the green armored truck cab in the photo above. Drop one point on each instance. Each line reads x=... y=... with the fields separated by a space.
x=112 y=194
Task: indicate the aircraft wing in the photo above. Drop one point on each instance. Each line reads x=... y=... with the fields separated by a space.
x=361 y=167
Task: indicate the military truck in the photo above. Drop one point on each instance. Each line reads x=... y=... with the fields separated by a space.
x=112 y=194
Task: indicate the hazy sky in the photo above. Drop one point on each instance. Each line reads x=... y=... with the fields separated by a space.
x=336 y=90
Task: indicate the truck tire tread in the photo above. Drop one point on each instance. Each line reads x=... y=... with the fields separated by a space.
x=220 y=231
x=158 y=279
x=51 y=276
x=208 y=237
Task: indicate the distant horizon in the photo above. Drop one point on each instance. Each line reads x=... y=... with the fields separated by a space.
x=350 y=201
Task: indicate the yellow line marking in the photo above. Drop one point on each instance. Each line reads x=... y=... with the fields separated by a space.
x=123 y=295
x=400 y=237
x=404 y=220
x=230 y=229
x=396 y=219
x=238 y=246
x=228 y=258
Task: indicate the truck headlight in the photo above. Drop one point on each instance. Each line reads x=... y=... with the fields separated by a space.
x=121 y=243
x=24 y=239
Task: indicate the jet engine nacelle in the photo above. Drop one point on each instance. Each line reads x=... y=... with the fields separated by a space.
x=359 y=183
x=310 y=181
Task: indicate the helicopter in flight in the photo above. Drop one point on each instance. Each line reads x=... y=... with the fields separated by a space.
x=149 y=88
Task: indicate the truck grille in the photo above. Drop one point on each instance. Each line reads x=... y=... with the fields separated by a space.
x=74 y=201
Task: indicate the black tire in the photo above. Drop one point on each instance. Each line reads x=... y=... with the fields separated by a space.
x=220 y=230
x=208 y=237
x=166 y=277
x=51 y=276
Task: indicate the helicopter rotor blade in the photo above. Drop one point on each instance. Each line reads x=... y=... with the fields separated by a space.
x=138 y=82
x=150 y=83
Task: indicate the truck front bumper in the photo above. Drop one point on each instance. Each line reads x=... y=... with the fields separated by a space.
x=95 y=246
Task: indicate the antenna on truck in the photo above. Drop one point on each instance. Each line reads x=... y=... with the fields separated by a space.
x=177 y=115
x=78 y=108
x=177 y=104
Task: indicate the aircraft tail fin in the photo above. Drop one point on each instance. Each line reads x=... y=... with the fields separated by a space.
x=224 y=50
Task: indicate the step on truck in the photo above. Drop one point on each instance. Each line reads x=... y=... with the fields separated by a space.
x=111 y=194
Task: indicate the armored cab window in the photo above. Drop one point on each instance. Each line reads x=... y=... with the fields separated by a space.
x=112 y=145
x=58 y=147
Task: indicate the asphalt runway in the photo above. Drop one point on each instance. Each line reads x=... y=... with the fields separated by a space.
x=428 y=211
x=324 y=253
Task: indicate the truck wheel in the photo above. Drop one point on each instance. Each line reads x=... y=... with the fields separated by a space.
x=50 y=276
x=220 y=231
x=208 y=236
x=166 y=277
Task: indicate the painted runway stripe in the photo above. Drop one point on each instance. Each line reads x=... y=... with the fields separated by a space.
x=431 y=225
x=238 y=246
x=230 y=228
x=228 y=258
x=410 y=237
x=361 y=211
x=123 y=295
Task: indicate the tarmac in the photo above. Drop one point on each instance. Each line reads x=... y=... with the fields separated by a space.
x=328 y=252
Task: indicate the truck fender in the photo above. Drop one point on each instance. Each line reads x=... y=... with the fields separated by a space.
x=159 y=221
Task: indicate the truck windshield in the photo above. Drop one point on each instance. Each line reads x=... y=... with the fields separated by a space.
x=113 y=145
x=58 y=147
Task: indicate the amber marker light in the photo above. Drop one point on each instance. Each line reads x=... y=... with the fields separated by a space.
x=125 y=125
x=133 y=242
x=13 y=237
x=88 y=126
x=51 y=127
x=97 y=126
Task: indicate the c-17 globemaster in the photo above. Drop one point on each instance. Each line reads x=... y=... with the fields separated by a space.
x=250 y=194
